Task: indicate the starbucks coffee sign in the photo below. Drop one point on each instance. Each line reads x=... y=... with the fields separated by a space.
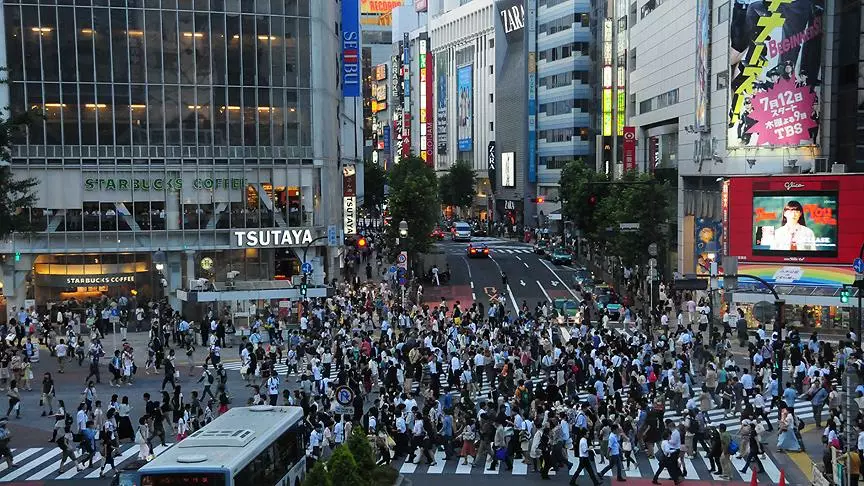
x=271 y=238
x=161 y=184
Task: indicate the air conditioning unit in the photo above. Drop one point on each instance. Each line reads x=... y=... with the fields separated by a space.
x=838 y=168
x=197 y=283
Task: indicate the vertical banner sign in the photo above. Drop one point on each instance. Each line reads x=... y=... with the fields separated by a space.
x=429 y=107
x=465 y=107
x=607 y=79
x=421 y=5
x=775 y=69
x=724 y=202
x=703 y=77
x=629 y=149
x=350 y=49
x=653 y=153
x=421 y=90
x=531 y=21
x=386 y=137
x=406 y=96
x=490 y=165
x=349 y=199
x=441 y=129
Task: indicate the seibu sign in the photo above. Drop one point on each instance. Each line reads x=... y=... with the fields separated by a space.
x=271 y=238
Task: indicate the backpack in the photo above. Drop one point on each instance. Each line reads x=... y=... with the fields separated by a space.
x=526 y=397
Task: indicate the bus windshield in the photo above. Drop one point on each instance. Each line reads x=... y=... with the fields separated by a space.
x=189 y=478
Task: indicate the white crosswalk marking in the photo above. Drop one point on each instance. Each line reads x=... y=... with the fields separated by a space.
x=43 y=464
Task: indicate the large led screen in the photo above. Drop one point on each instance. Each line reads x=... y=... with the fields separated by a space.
x=799 y=223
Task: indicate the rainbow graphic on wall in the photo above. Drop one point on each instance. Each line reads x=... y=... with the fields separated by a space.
x=795 y=274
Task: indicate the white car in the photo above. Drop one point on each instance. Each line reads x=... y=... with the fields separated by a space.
x=461 y=232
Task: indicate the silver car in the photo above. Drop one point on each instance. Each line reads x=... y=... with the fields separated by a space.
x=461 y=232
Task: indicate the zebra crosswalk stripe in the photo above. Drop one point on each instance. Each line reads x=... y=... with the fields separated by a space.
x=43 y=463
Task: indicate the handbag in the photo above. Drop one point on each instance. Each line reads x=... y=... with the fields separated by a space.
x=501 y=454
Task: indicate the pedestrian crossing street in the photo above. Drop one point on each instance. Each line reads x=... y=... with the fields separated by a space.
x=642 y=467
x=43 y=464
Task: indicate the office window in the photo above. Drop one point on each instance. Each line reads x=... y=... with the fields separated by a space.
x=491 y=97
x=644 y=106
x=632 y=58
x=491 y=69
x=491 y=43
x=722 y=80
x=491 y=126
x=723 y=13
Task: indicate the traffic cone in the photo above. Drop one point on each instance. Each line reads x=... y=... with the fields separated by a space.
x=753 y=481
x=782 y=481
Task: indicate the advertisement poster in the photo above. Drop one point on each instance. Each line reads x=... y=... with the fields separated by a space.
x=429 y=109
x=703 y=32
x=708 y=231
x=350 y=49
x=792 y=224
x=465 y=107
x=441 y=115
x=379 y=6
x=775 y=59
x=508 y=169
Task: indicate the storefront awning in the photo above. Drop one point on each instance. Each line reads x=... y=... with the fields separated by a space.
x=811 y=295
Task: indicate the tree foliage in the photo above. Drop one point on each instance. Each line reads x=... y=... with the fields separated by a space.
x=363 y=454
x=457 y=186
x=598 y=205
x=638 y=198
x=16 y=195
x=374 y=179
x=318 y=476
x=343 y=468
x=414 y=199
x=581 y=191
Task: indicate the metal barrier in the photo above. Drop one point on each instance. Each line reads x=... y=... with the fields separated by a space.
x=819 y=478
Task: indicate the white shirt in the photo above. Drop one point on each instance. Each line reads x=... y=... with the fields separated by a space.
x=583 y=447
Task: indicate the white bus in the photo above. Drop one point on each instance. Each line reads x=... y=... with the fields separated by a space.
x=248 y=446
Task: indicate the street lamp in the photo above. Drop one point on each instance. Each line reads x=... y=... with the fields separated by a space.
x=403 y=233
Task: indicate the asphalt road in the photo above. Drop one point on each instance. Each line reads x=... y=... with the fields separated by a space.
x=531 y=279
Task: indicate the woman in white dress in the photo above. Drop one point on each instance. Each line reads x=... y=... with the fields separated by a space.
x=793 y=235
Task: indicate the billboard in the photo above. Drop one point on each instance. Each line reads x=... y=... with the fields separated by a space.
x=421 y=5
x=465 y=107
x=350 y=49
x=629 y=146
x=703 y=81
x=379 y=6
x=441 y=110
x=490 y=164
x=428 y=109
x=380 y=72
x=775 y=68
x=800 y=218
x=508 y=169
x=793 y=224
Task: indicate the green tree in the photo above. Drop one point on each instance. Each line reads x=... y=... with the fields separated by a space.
x=582 y=188
x=374 y=179
x=635 y=198
x=462 y=181
x=414 y=199
x=445 y=190
x=318 y=476
x=16 y=194
x=343 y=469
x=363 y=454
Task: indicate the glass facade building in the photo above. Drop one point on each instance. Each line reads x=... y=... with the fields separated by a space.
x=169 y=124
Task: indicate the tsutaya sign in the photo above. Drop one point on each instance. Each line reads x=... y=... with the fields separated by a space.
x=272 y=238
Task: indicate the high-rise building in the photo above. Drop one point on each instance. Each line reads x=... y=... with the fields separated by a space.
x=178 y=142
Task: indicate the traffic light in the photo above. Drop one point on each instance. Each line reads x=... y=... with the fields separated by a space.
x=539 y=200
x=17 y=256
x=592 y=200
x=303 y=286
x=844 y=295
x=361 y=242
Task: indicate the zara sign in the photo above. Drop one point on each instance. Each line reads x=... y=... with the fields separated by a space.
x=512 y=14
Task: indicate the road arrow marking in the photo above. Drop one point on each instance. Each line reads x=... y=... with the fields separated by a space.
x=522 y=282
x=554 y=283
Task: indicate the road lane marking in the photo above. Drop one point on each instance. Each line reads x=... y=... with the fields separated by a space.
x=544 y=291
x=473 y=296
x=472 y=284
x=513 y=299
x=560 y=280
x=526 y=265
x=468 y=267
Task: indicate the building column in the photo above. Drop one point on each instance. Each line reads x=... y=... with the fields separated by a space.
x=172 y=205
x=174 y=275
x=13 y=276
